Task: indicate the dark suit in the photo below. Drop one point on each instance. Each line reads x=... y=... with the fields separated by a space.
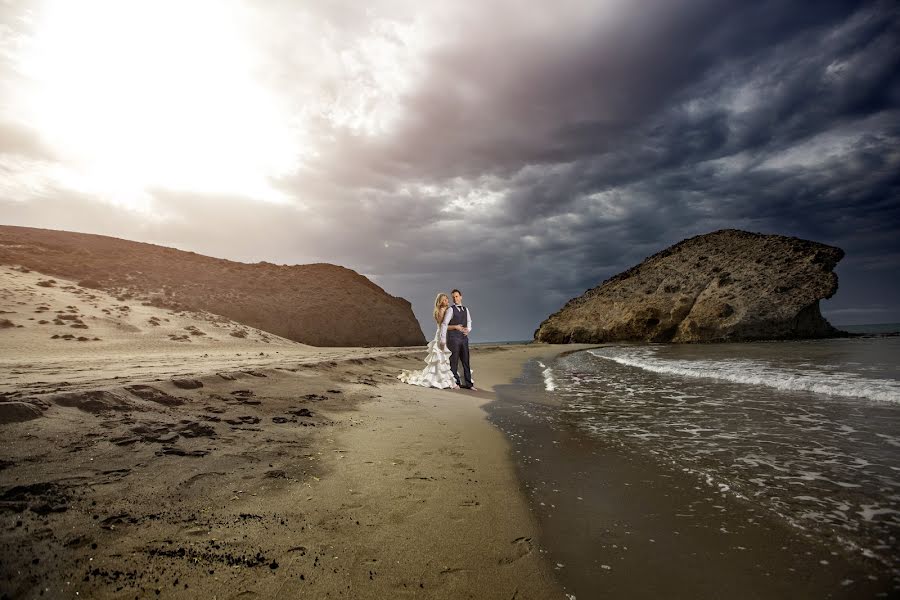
x=458 y=344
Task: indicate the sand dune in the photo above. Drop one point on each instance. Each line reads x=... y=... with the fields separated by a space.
x=45 y=313
x=319 y=304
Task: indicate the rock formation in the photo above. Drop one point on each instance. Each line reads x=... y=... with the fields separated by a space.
x=727 y=285
x=317 y=304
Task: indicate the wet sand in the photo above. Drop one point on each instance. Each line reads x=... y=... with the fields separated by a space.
x=620 y=525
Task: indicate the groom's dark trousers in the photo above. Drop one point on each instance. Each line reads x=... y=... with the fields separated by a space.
x=458 y=344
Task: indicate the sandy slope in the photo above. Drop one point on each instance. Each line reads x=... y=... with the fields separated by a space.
x=46 y=315
x=320 y=304
x=56 y=335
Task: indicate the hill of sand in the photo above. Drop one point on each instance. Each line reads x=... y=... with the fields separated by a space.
x=318 y=304
x=728 y=285
x=40 y=314
x=56 y=335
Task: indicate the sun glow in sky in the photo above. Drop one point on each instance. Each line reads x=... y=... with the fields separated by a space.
x=136 y=96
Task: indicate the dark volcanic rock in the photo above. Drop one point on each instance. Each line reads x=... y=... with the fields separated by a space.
x=318 y=304
x=148 y=392
x=727 y=285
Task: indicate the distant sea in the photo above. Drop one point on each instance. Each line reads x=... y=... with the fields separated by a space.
x=806 y=432
x=872 y=328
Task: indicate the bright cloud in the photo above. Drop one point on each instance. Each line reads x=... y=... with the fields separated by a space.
x=137 y=95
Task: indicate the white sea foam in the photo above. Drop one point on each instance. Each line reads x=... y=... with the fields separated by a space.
x=733 y=416
x=751 y=372
x=549 y=382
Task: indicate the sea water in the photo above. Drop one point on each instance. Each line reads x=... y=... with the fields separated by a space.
x=809 y=432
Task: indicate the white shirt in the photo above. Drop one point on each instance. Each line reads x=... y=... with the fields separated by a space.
x=449 y=315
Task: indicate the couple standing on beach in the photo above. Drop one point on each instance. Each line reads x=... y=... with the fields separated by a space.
x=449 y=347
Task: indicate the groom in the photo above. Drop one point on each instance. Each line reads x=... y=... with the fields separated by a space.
x=459 y=323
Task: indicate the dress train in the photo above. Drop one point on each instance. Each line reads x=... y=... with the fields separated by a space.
x=437 y=371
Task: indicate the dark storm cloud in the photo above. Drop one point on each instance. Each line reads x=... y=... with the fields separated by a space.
x=622 y=151
x=508 y=96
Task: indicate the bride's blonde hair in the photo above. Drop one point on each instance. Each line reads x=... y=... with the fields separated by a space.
x=438 y=311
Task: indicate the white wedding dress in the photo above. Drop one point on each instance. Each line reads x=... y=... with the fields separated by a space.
x=437 y=371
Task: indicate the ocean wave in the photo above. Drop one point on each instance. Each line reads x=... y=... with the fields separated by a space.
x=549 y=382
x=751 y=372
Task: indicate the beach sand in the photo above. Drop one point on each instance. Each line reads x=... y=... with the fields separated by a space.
x=149 y=464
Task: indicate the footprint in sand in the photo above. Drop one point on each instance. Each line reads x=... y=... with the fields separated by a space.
x=173 y=451
x=243 y=420
x=193 y=429
x=203 y=482
x=17 y=412
x=148 y=392
x=95 y=401
x=521 y=547
x=187 y=384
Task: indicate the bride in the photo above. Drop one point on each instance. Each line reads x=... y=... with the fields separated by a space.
x=437 y=364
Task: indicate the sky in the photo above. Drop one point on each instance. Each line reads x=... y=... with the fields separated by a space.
x=522 y=152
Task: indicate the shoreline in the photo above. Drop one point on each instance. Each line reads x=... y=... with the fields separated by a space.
x=607 y=515
x=316 y=474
